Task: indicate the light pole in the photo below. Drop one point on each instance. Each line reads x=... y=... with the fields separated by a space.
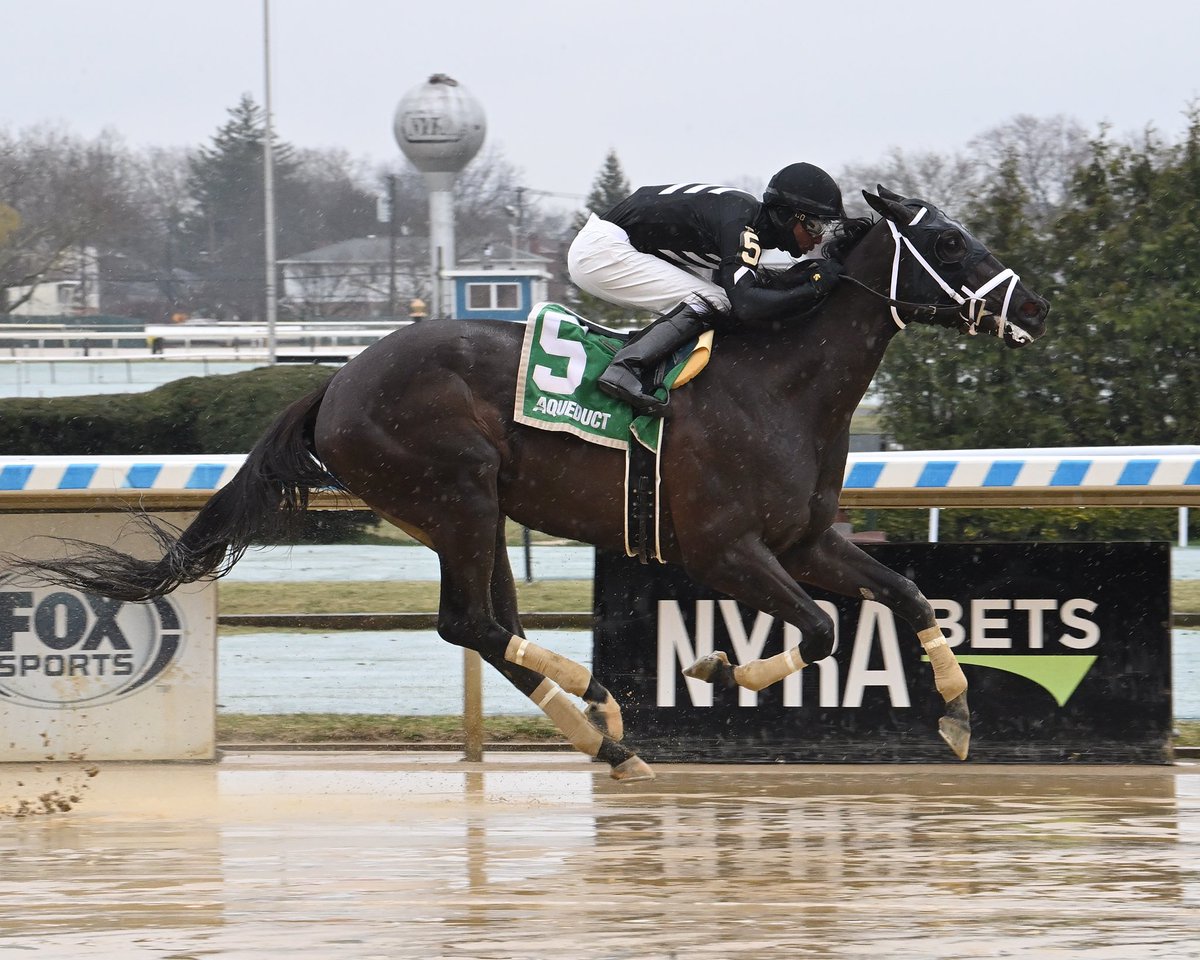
x=269 y=186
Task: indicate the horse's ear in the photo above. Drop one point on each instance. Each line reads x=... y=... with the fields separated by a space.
x=887 y=208
x=888 y=195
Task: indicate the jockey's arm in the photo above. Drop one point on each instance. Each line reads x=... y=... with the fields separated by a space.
x=758 y=300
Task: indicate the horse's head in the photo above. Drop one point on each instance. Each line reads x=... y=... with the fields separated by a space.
x=940 y=273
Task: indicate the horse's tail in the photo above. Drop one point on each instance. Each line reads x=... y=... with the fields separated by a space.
x=266 y=494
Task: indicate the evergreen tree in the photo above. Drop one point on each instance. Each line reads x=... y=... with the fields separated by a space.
x=1118 y=365
x=943 y=391
x=1129 y=288
x=224 y=236
x=609 y=188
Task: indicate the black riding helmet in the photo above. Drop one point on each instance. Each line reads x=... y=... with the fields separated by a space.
x=801 y=188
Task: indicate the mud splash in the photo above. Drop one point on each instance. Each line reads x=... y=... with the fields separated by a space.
x=33 y=790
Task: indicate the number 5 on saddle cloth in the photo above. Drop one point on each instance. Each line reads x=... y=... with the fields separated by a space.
x=561 y=358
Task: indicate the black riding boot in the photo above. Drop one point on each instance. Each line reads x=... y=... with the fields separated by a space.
x=624 y=377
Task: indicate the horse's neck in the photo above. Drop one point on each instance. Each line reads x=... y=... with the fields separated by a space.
x=853 y=328
x=831 y=357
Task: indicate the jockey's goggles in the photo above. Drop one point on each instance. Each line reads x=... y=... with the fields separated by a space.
x=814 y=225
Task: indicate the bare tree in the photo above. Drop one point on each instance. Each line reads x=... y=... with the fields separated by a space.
x=946 y=180
x=1048 y=152
x=69 y=193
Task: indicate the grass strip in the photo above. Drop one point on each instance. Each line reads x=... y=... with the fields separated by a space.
x=367 y=596
x=376 y=728
x=383 y=728
x=421 y=596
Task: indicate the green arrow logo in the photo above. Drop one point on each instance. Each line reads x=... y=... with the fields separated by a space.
x=1058 y=675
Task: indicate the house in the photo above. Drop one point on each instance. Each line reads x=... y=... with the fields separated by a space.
x=353 y=277
x=70 y=288
x=500 y=283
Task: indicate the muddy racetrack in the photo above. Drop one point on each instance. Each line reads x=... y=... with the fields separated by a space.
x=361 y=856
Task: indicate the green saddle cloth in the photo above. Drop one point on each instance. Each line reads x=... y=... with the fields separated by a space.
x=561 y=359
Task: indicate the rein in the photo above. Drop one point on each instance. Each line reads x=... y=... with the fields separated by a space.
x=930 y=310
x=970 y=305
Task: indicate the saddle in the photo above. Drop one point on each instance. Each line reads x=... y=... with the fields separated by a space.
x=561 y=357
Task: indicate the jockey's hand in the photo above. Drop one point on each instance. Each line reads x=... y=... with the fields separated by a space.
x=825 y=276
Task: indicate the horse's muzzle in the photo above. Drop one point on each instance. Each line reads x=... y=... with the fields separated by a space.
x=1026 y=319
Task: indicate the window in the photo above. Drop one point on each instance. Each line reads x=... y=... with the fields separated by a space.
x=493 y=296
x=479 y=296
x=508 y=296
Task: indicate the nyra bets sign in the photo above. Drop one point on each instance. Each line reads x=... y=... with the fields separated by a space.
x=1066 y=648
x=84 y=675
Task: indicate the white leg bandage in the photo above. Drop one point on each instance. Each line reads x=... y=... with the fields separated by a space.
x=762 y=673
x=568 y=674
x=567 y=717
x=947 y=674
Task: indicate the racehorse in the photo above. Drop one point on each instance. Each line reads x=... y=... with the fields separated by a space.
x=420 y=427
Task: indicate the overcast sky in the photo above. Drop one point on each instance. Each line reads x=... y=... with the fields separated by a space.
x=681 y=89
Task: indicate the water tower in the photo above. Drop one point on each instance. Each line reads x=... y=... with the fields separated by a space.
x=440 y=127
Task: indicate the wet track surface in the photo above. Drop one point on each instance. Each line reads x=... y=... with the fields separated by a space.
x=386 y=855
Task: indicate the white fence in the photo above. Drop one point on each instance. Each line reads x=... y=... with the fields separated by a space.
x=1167 y=476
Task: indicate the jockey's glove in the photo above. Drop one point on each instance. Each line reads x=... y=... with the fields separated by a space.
x=825 y=276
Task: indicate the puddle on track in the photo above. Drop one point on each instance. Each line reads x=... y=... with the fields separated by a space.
x=362 y=856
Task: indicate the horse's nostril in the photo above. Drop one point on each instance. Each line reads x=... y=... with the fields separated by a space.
x=1031 y=309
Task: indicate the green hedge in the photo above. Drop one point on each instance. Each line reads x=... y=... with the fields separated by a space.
x=196 y=415
x=1015 y=524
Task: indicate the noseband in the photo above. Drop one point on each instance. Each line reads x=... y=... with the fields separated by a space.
x=971 y=306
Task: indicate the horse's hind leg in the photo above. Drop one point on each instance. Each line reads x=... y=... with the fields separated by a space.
x=466 y=618
x=603 y=711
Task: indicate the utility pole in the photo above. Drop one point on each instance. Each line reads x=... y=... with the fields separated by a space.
x=170 y=264
x=392 y=307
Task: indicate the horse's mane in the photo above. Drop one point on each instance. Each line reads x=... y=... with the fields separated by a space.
x=846 y=236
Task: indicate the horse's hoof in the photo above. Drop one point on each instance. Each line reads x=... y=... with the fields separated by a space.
x=714 y=669
x=632 y=770
x=606 y=717
x=955 y=726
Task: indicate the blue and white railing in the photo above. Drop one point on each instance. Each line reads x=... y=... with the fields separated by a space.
x=1064 y=474
x=1080 y=476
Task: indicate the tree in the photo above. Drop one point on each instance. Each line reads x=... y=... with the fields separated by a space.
x=68 y=193
x=327 y=197
x=1121 y=266
x=944 y=392
x=223 y=233
x=610 y=187
x=1129 y=288
x=1043 y=154
x=947 y=181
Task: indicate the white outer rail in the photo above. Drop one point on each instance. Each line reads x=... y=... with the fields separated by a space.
x=1164 y=476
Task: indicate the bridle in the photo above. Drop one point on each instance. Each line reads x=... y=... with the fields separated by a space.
x=970 y=306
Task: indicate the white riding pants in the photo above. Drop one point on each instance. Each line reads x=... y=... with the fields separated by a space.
x=604 y=263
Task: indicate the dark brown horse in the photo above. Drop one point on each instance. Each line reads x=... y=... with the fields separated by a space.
x=420 y=427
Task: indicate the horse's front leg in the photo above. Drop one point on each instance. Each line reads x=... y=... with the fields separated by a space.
x=834 y=563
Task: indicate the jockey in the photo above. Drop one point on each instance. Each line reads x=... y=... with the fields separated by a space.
x=680 y=248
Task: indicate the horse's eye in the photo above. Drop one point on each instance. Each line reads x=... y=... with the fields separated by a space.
x=950 y=247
